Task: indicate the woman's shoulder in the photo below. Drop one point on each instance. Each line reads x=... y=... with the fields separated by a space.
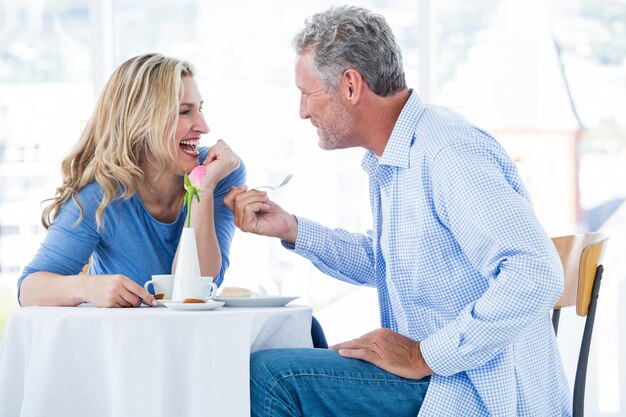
x=202 y=153
x=91 y=190
x=82 y=206
x=86 y=203
x=89 y=197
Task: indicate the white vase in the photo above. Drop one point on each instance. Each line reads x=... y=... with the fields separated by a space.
x=187 y=265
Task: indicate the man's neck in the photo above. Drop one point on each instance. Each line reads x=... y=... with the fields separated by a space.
x=379 y=117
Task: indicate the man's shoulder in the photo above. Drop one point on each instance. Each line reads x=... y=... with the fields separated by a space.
x=442 y=127
x=444 y=121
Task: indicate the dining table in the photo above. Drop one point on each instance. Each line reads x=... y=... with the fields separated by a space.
x=147 y=361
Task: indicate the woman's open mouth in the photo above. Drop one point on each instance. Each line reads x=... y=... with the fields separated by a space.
x=190 y=146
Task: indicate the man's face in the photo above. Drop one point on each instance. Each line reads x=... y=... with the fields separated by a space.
x=325 y=109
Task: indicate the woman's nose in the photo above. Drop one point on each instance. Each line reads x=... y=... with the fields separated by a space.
x=201 y=125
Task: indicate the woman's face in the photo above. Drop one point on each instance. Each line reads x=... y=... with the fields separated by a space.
x=191 y=125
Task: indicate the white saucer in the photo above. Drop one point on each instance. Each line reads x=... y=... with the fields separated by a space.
x=161 y=303
x=208 y=305
x=257 y=301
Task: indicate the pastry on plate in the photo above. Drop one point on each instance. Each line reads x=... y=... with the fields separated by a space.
x=236 y=292
x=193 y=301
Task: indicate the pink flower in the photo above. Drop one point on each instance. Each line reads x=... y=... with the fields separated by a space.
x=196 y=176
x=193 y=185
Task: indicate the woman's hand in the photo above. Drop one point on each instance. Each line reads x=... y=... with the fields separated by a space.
x=220 y=161
x=49 y=289
x=114 y=291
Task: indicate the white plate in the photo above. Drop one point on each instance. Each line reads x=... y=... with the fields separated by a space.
x=208 y=305
x=257 y=301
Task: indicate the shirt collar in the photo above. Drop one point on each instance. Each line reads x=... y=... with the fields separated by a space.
x=396 y=152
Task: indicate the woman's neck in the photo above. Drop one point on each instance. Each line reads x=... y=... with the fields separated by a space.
x=162 y=196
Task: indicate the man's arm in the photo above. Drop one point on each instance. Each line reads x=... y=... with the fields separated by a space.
x=336 y=252
x=481 y=200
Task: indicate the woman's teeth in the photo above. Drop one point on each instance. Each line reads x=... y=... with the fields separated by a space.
x=189 y=146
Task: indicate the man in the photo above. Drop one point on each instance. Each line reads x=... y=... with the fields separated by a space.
x=466 y=276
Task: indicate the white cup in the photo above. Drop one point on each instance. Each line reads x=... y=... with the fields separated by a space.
x=162 y=284
x=200 y=287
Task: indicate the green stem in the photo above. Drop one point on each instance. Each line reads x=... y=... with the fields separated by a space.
x=188 y=203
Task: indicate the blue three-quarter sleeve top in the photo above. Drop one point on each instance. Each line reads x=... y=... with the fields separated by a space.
x=132 y=242
x=461 y=264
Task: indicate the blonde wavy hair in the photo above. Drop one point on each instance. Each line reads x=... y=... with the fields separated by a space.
x=135 y=118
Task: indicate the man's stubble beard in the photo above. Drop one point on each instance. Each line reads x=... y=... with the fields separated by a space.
x=335 y=136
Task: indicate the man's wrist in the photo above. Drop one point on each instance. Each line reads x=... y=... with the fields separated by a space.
x=421 y=365
x=292 y=234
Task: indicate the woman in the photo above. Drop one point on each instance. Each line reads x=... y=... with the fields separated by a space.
x=121 y=200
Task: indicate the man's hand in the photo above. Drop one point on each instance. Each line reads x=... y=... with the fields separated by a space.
x=388 y=350
x=256 y=213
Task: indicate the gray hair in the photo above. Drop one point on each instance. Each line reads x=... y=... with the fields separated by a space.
x=353 y=37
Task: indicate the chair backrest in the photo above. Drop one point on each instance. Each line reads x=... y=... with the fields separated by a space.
x=580 y=255
x=85 y=269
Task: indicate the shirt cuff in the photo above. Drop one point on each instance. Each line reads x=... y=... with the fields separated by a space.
x=305 y=241
x=441 y=350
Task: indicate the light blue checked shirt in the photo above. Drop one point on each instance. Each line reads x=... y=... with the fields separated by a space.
x=461 y=264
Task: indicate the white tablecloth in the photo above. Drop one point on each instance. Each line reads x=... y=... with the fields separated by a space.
x=92 y=362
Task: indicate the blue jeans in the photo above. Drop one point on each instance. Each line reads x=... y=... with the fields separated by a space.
x=319 y=382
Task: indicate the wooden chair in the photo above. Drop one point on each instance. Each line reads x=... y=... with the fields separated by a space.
x=86 y=267
x=581 y=256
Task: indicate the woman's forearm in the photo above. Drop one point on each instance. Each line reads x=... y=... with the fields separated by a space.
x=203 y=221
x=49 y=289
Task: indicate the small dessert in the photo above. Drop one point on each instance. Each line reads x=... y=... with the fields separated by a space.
x=236 y=292
x=193 y=301
x=159 y=296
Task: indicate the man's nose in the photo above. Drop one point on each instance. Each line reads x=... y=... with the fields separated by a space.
x=304 y=108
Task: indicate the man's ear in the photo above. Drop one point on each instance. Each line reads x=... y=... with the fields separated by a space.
x=351 y=85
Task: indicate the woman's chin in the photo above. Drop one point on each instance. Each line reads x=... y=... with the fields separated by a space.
x=190 y=161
